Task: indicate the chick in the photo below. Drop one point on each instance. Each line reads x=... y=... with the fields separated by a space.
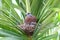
x=29 y=24
x=29 y=19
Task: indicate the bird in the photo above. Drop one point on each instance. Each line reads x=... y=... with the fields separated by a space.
x=30 y=19
x=29 y=24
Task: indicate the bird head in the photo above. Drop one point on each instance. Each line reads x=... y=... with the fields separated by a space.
x=28 y=14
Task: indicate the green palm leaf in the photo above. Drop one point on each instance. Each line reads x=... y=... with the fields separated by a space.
x=44 y=10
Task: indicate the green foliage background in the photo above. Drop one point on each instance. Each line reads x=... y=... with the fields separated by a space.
x=47 y=13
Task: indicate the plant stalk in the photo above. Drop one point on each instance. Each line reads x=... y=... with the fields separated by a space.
x=28 y=9
x=29 y=37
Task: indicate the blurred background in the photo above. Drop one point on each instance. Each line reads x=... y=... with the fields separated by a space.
x=21 y=13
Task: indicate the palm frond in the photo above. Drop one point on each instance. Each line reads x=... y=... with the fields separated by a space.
x=44 y=10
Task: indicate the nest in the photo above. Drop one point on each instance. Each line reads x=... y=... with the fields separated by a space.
x=29 y=24
x=28 y=28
